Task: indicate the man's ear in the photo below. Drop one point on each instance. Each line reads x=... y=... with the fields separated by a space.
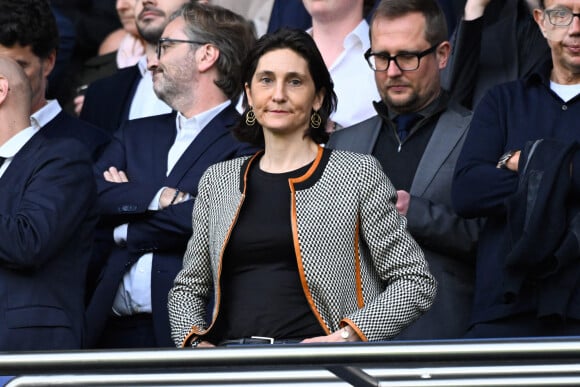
x=539 y=18
x=442 y=53
x=48 y=63
x=4 y=88
x=208 y=56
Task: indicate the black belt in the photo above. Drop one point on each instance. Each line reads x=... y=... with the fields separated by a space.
x=258 y=340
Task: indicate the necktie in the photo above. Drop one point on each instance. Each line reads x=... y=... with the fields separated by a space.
x=404 y=123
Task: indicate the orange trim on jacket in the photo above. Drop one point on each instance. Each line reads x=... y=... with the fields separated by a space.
x=294 y=223
x=194 y=331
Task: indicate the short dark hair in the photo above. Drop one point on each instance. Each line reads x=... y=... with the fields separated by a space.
x=29 y=23
x=302 y=44
x=229 y=32
x=435 y=23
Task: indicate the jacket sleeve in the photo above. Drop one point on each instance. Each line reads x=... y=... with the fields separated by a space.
x=395 y=256
x=165 y=230
x=460 y=74
x=121 y=200
x=479 y=189
x=58 y=194
x=437 y=227
x=193 y=285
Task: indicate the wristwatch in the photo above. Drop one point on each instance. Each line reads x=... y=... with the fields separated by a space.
x=344 y=333
x=502 y=162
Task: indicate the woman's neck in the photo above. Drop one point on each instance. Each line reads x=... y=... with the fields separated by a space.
x=284 y=156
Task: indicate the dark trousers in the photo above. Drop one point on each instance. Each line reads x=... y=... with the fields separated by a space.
x=524 y=325
x=128 y=332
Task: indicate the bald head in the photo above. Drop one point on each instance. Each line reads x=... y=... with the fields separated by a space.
x=15 y=95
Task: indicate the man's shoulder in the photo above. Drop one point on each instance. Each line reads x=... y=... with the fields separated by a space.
x=64 y=124
x=44 y=147
x=361 y=133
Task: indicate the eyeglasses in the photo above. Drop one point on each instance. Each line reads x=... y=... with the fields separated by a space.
x=406 y=61
x=164 y=43
x=561 y=17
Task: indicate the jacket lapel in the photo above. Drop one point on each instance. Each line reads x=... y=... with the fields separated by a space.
x=448 y=131
x=211 y=133
x=160 y=140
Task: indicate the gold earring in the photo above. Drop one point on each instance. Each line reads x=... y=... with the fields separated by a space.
x=250 y=117
x=315 y=120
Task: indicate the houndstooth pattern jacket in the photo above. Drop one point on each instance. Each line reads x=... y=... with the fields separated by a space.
x=357 y=263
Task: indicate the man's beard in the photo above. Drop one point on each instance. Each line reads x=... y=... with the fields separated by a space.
x=151 y=35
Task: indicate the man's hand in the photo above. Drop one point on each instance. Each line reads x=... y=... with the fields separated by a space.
x=403 y=199
x=170 y=196
x=113 y=175
x=512 y=163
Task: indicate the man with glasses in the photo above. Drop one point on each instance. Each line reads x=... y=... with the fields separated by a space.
x=417 y=136
x=147 y=178
x=128 y=94
x=520 y=168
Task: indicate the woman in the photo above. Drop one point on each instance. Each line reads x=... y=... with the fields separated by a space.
x=298 y=243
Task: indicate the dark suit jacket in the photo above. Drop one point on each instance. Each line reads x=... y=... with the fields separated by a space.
x=141 y=149
x=448 y=241
x=289 y=14
x=487 y=51
x=64 y=125
x=108 y=100
x=47 y=221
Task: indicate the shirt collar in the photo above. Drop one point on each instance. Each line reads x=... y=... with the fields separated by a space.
x=541 y=73
x=142 y=65
x=45 y=114
x=9 y=149
x=200 y=120
x=360 y=35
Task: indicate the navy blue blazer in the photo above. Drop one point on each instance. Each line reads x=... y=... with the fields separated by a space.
x=47 y=222
x=108 y=100
x=140 y=149
x=93 y=138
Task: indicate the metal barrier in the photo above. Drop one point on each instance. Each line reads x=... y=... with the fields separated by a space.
x=528 y=362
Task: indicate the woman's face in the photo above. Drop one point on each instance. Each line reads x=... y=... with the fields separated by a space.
x=126 y=12
x=282 y=92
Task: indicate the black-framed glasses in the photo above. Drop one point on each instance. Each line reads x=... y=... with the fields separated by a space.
x=561 y=17
x=405 y=61
x=164 y=43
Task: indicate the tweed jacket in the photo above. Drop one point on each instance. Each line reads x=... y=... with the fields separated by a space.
x=357 y=263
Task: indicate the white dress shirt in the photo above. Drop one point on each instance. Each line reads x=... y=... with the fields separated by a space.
x=145 y=103
x=134 y=293
x=45 y=114
x=354 y=81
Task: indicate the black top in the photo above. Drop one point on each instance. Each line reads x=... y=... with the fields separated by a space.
x=261 y=290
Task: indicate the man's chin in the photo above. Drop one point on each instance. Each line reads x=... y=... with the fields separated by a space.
x=399 y=104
